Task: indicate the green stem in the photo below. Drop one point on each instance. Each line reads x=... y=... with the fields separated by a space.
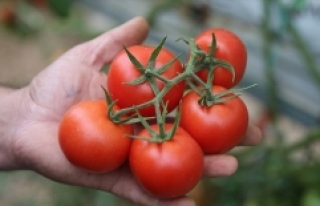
x=310 y=138
x=305 y=53
x=269 y=62
x=157 y=105
x=194 y=87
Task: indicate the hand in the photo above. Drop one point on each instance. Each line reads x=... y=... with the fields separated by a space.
x=37 y=109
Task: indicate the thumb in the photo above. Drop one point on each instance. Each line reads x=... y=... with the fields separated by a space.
x=102 y=49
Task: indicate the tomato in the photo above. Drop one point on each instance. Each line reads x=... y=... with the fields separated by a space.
x=122 y=71
x=169 y=169
x=217 y=128
x=90 y=140
x=8 y=15
x=230 y=48
x=39 y=3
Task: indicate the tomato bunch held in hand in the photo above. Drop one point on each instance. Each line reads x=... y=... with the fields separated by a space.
x=146 y=83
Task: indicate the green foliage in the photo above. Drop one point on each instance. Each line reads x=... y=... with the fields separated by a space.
x=311 y=198
x=60 y=7
x=163 y=6
x=272 y=175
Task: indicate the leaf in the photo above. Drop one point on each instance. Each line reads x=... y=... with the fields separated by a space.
x=311 y=198
x=60 y=7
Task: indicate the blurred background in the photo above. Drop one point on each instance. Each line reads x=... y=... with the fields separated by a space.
x=282 y=38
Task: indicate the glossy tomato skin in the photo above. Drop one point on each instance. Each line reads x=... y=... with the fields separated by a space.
x=90 y=141
x=122 y=71
x=217 y=128
x=169 y=169
x=230 y=48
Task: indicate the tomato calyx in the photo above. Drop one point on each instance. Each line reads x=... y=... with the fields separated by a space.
x=162 y=135
x=148 y=73
x=119 y=116
x=209 y=62
x=159 y=137
x=208 y=98
x=206 y=60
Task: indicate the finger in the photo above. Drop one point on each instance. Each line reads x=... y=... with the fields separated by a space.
x=184 y=201
x=127 y=187
x=120 y=182
x=220 y=165
x=253 y=136
x=102 y=49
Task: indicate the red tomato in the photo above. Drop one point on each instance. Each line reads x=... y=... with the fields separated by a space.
x=217 y=128
x=90 y=140
x=8 y=15
x=230 y=48
x=122 y=71
x=169 y=169
x=39 y=3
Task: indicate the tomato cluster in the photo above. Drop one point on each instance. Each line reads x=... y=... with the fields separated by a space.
x=144 y=84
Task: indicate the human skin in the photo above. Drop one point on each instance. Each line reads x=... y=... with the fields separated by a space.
x=30 y=116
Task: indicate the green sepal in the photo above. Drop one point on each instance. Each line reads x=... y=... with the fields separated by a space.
x=107 y=96
x=227 y=66
x=213 y=45
x=155 y=53
x=134 y=60
x=137 y=81
x=183 y=39
x=167 y=65
x=152 y=139
x=175 y=123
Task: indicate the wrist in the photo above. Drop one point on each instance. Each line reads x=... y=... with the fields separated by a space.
x=5 y=91
x=8 y=108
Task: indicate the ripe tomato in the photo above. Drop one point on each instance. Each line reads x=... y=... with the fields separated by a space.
x=217 y=128
x=230 y=48
x=8 y=15
x=122 y=71
x=90 y=140
x=39 y=3
x=169 y=169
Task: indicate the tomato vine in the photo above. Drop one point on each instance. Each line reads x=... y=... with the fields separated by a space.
x=198 y=60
